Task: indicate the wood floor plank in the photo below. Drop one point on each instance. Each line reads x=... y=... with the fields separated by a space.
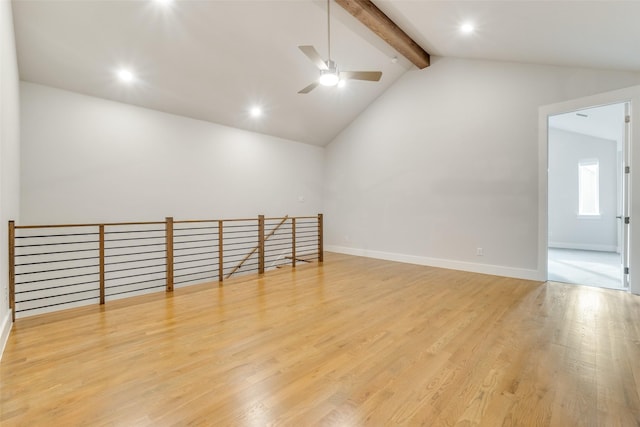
x=355 y=341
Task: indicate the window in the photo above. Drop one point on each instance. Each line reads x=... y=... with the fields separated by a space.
x=588 y=188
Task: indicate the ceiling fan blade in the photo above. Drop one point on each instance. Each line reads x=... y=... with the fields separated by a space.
x=314 y=56
x=309 y=88
x=372 y=76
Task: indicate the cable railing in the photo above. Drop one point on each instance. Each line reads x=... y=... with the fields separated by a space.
x=55 y=267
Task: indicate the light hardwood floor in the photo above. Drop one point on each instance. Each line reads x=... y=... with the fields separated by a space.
x=354 y=342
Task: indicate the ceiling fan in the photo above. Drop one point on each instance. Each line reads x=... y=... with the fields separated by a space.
x=330 y=75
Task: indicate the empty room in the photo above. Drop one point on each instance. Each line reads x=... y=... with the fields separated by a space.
x=319 y=212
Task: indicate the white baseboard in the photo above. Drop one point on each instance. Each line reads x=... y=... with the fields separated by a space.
x=495 y=270
x=584 y=246
x=5 y=329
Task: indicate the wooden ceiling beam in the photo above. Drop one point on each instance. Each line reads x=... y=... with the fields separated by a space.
x=375 y=19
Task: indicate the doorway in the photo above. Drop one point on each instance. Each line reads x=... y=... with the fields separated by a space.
x=587 y=196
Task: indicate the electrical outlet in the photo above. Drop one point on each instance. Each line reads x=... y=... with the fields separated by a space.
x=479 y=252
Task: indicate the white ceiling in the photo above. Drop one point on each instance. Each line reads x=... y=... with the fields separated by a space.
x=213 y=60
x=604 y=121
x=596 y=34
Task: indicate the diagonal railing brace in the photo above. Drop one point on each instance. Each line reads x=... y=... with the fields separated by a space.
x=253 y=251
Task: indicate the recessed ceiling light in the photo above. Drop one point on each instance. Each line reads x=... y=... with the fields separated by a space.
x=164 y=2
x=126 y=75
x=255 y=111
x=467 y=28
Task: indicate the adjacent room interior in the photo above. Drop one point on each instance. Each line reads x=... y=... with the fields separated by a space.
x=342 y=212
x=587 y=197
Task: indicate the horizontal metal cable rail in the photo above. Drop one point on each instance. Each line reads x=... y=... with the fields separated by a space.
x=54 y=267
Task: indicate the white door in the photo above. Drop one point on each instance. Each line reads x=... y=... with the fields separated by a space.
x=625 y=212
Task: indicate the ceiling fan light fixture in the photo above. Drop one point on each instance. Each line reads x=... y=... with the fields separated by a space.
x=329 y=78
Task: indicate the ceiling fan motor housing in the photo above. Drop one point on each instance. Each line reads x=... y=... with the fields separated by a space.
x=331 y=66
x=330 y=76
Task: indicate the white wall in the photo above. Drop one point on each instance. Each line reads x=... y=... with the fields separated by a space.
x=9 y=155
x=446 y=161
x=86 y=159
x=566 y=228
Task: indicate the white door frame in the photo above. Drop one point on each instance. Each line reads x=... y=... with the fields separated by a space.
x=631 y=95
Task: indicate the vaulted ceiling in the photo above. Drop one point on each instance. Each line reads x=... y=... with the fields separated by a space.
x=215 y=60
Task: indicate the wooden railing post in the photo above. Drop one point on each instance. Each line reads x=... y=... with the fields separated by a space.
x=169 y=239
x=293 y=242
x=12 y=269
x=320 y=239
x=220 y=253
x=260 y=244
x=101 y=263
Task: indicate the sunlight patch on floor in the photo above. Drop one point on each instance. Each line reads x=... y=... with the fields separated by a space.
x=592 y=268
